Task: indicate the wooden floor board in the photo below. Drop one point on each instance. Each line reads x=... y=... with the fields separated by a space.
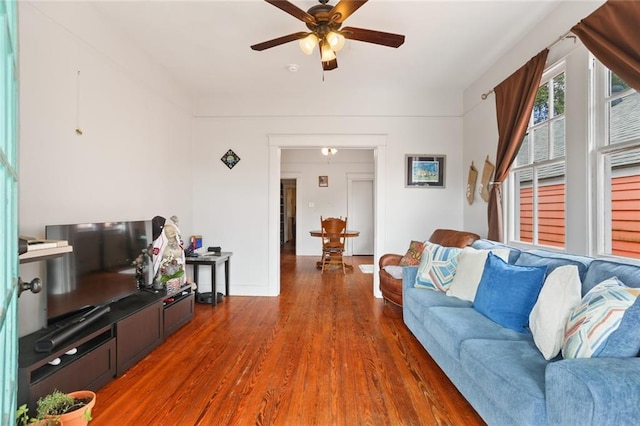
x=322 y=353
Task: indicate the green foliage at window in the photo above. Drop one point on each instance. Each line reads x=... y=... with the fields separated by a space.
x=541 y=105
x=558 y=95
x=542 y=110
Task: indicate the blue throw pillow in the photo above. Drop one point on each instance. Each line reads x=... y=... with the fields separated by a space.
x=625 y=341
x=507 y=293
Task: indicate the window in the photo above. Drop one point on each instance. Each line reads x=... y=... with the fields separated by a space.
x=618 y=154
x=538 y=174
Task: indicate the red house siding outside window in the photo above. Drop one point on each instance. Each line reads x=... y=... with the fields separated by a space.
x=625 y=215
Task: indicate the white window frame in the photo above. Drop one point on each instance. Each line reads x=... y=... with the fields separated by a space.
x=599 y=119
x=513 y=200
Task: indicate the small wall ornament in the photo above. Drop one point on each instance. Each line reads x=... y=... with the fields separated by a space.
x=471 y=183
x=230 y=159
x=487 y=172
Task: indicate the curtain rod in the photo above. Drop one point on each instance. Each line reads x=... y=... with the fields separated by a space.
x=564 y=36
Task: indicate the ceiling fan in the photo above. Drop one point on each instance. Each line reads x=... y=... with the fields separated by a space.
x=325 y=21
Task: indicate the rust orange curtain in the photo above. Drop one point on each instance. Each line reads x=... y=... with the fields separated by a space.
x=515 y=97
x=612 y=34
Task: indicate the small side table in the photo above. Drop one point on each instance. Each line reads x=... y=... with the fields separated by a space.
x=212 y=261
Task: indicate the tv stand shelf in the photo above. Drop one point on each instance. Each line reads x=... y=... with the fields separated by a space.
x=44 y=254
x=106 y=348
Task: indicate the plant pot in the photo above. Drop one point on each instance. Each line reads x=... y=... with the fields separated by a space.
x=78 y=417
x=173 y=285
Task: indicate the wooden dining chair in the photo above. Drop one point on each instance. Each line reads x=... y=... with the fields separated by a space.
x=333 y=241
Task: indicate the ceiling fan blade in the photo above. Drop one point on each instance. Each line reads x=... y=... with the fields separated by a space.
x=294 y=11
x=278 y=41
x=370 y=36
x=344 y=9
x=330 y=65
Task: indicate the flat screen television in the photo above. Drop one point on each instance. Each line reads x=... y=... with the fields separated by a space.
x=100 y=268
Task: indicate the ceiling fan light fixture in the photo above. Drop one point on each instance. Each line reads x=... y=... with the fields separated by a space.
x=308 y=43
x=326 y=52
x=329 y=151
x=335 y=40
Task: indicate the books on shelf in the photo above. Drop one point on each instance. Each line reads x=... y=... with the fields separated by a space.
x=196 y=241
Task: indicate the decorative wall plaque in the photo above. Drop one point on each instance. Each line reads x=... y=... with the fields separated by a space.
x=230 y=158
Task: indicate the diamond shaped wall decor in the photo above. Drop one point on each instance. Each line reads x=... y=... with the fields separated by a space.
x=230 y=158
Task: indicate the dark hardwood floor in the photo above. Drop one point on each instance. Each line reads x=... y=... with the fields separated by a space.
x=322 y=353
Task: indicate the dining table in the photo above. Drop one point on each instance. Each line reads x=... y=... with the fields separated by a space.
x=349 y=233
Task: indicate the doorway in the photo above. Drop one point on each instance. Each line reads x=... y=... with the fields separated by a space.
x=288 y=212
x=376 y=142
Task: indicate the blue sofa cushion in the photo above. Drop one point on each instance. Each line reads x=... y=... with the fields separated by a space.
x=511 y=374
x=601 y=270
x=610 y=310
x=417 y=301
x=551 y=261
x=593 y=391
x=483 y=244
x=506 y=293
x=451 y=326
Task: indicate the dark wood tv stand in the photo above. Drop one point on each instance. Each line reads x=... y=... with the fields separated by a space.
x=106 y=348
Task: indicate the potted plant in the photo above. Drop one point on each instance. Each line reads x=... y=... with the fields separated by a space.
x=59 y=408
x=171 y=272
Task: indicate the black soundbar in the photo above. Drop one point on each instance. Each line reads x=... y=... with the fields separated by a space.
x=56 y=337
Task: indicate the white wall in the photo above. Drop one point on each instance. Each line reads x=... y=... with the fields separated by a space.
x=231 y=207
x=480 y=125
x=131 y=163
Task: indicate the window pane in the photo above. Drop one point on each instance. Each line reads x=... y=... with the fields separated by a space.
x=625 y=203
x=616 y=84
x=624 y=118
x=541 y=143
x=523 y=155
x=558 y=137
x=541 y=105
x=551 y=205
x=558 y=95
x=524 y=205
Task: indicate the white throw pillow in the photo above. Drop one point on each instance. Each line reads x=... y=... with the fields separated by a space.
x=394 y=270
x=560 y=294
x=469 y=271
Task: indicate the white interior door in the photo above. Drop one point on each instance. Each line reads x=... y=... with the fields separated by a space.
x=361 y=215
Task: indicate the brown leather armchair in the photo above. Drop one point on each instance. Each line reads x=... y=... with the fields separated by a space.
x=391 y=288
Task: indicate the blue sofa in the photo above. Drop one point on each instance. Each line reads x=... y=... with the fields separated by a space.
x=502 y=373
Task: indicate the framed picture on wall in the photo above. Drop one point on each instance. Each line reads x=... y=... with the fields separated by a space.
x=323 y=181
x=424 y=171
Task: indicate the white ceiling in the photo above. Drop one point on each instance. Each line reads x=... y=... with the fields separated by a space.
x=205 y=44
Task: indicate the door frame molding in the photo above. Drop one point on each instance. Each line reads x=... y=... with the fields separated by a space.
x=376 y=142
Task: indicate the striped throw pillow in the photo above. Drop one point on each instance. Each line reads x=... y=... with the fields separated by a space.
x=437 y=267
x=605 y=323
